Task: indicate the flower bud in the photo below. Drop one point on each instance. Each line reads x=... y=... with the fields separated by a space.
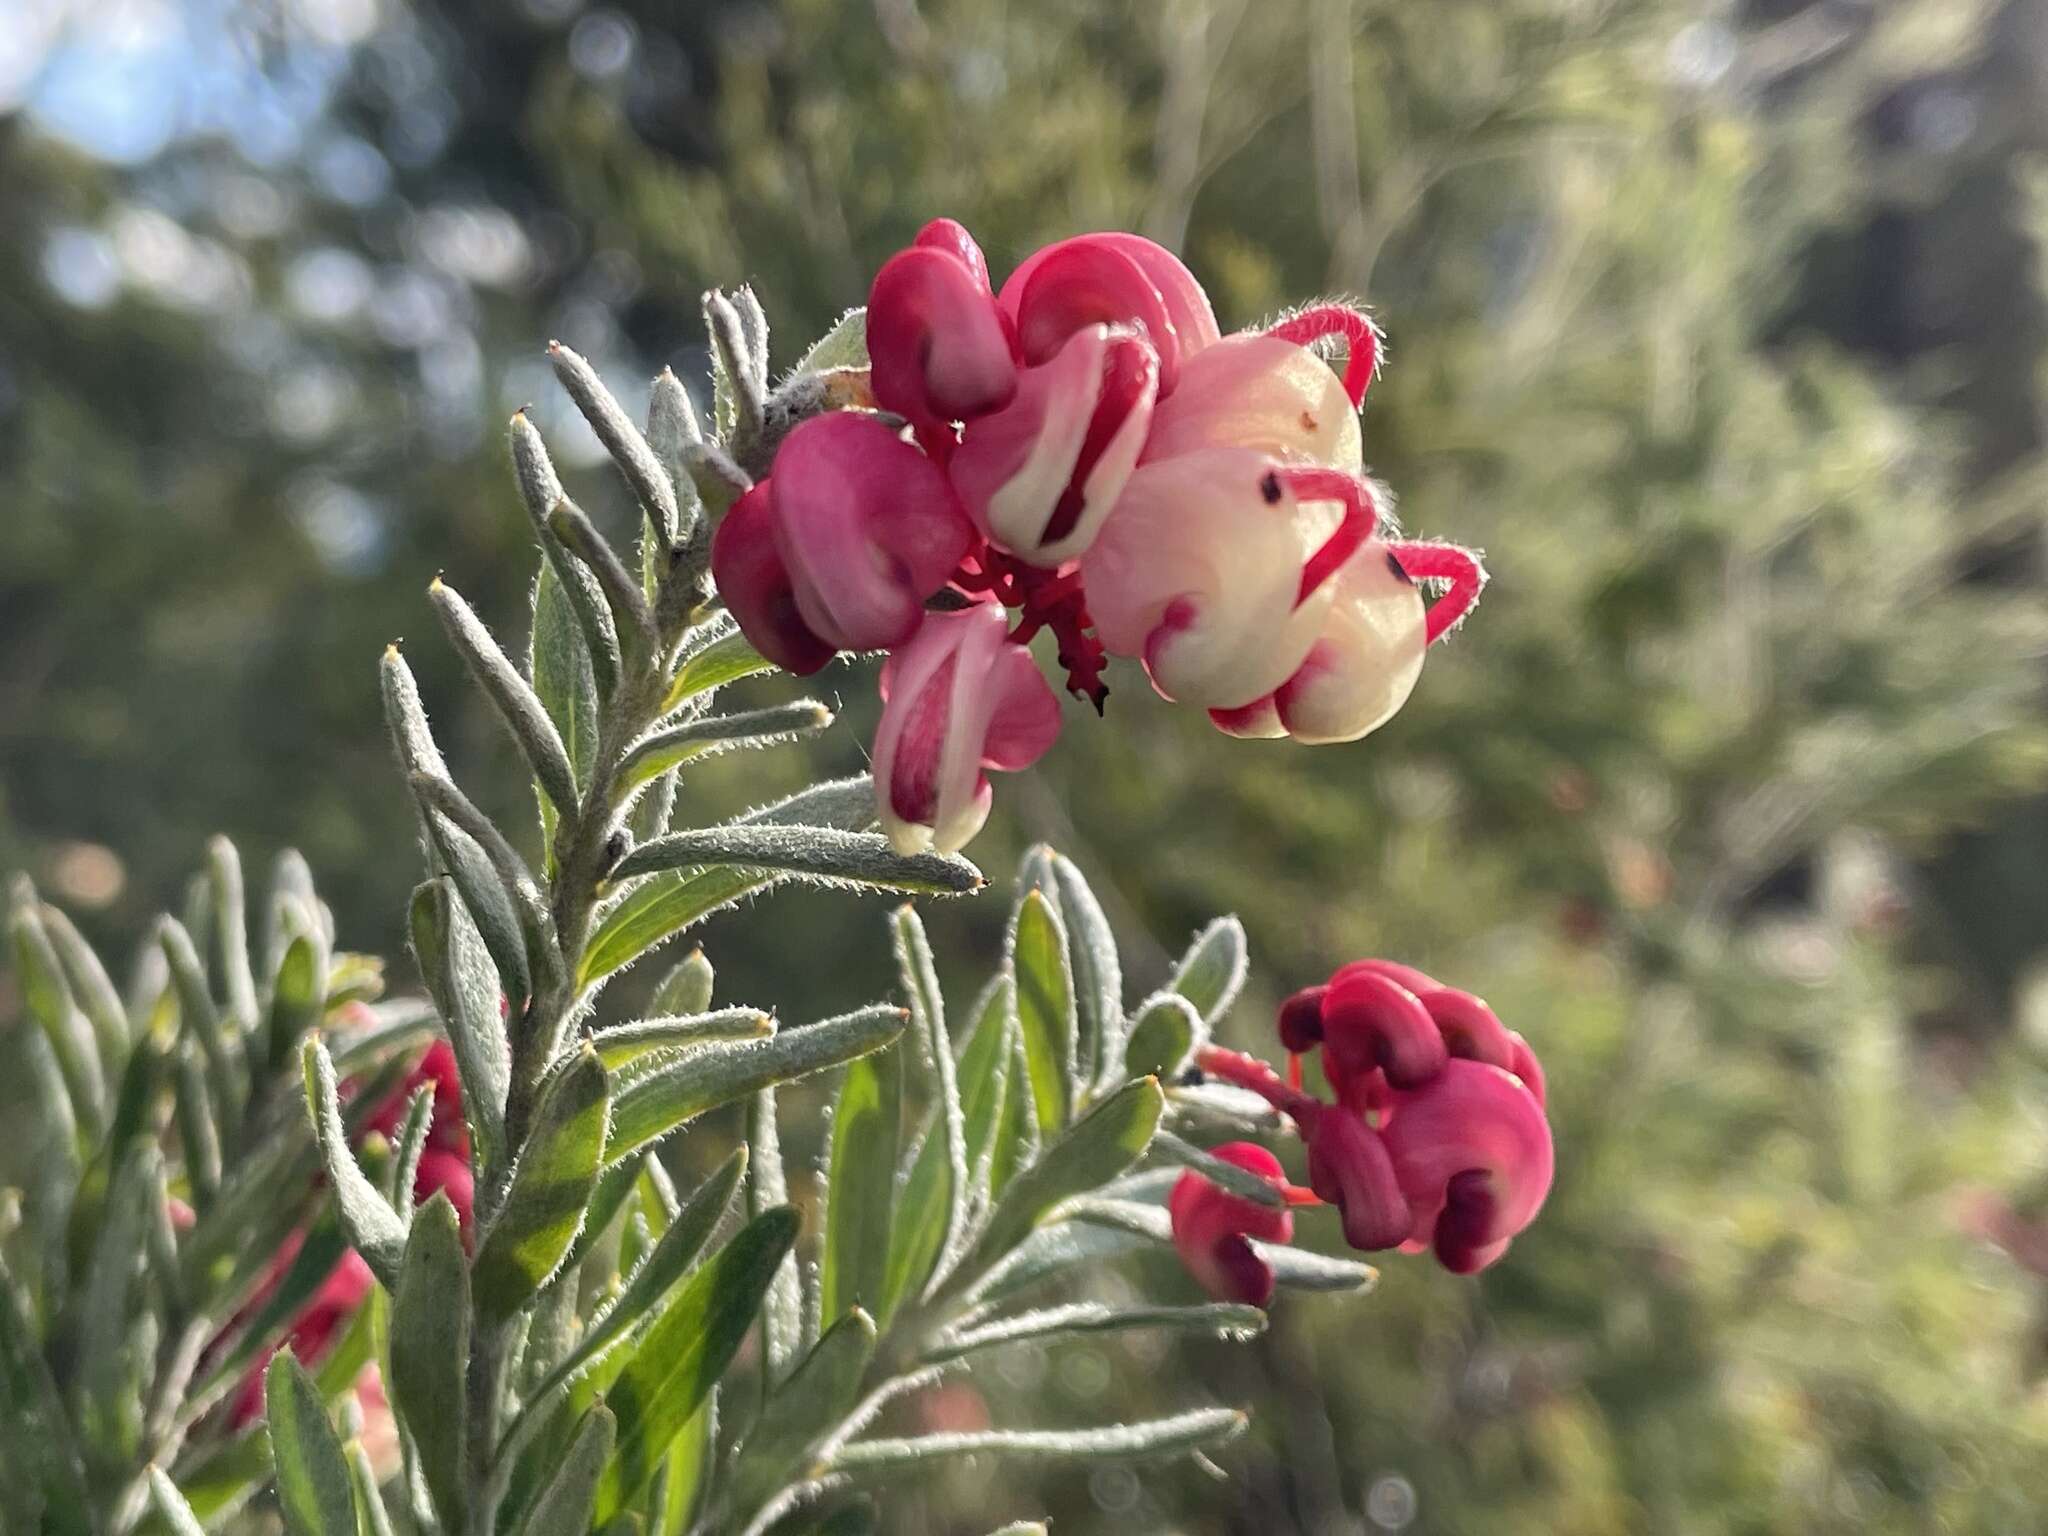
x=1198 y=572
x=1211 y=1227
x=1113 y=279
x=958 y=699
x=1349 y=1167
x=1472 y=1152
x=1373 y=1024
x=840 y=546
x=938 y=347
x=1040 y=475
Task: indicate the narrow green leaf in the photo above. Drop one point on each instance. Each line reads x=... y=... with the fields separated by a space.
x=314 y=1490
x=110 y=1416
x=550 y=1186
x=298 y=995
x=45 y=1470
x=1164 y=1033
x=464 y=985
x=919 y=976
x=1144 y=1440
x=170 y=1504
x=518 y=707
x=203 y=1023
x=50 y=1003
x=374 y=1228
x=671 y=427
x=922 y=1238
x=1045 y=1006
x=231 y=930
x=1223 y=1319
x=985 y=1077
x=631 y=615
x=664 y=905
x=628 y=1042
x=540 y=488
x=430 y=1353
x=1098 y=977
x=845 y=345
x=800 y=1412
x=1212 y=972
x=816 y=853
x=1017 y=1135
x=648 y=1287
x=198 y=1129
x=860 y=1184
x=709 y=735
x=782 y=1315
x=621 y=439
x=685 y=1351
x=91 y=988
x=566 y=1504
x=686 y=989
x=495 y=885
x=558 y=657
x=653 y=1105
x=686 y=1475
x=375 y=1520
x=1101 y=1145
x=726 y=659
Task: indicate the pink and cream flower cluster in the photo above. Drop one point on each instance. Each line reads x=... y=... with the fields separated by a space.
x=1086 y=448
x=1435 y=1137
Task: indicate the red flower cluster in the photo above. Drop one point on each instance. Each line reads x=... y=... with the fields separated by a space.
x=1087 y=448
x=1436 y=1139
x=444 y=1166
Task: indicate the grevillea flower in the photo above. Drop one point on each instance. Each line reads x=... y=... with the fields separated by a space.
x=840 y=546
x=958 y=699
x=1437 y=1139
x=1086 y=446
x=1040 y=475
x=443 y=1167
x=1212 y=1227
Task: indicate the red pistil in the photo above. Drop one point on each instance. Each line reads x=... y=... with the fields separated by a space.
x=1045 y=600
x=1361 y=337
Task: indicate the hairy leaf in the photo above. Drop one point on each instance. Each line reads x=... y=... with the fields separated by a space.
x=551 y=1184
x=377 y=1232
x=1045 y=1006
x=1102 y=1144
x=686 y=1349
x=860 y=1186
x=659 y=1101
x=1145 y=1439
x=314 y=1491
x=430 y=1353
x=629 y=1042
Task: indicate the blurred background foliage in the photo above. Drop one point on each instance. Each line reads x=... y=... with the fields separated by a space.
x=1721 y=326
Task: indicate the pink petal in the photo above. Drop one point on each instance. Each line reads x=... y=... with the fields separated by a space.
x=1251 y=391
x=1187 y=307
x=938 y=347
x=1040 y=475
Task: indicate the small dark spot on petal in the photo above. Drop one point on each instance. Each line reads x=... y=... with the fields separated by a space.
x=1400 y=575
x=1269 y=487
